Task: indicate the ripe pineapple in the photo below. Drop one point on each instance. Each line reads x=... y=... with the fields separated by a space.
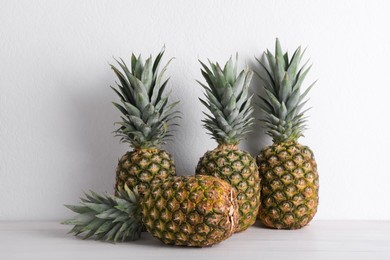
x=228 y=101
x=187 y=211
x=289 y=193
x=146 y=118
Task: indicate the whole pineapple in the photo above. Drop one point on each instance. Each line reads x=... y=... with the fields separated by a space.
x=186 y=211
x=145 y=123
x=289 y=193
x=230 y=105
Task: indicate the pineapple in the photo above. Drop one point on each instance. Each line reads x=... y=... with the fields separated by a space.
x=147 y=115
x=194 y=211
x=289 y=192
x=230 y=105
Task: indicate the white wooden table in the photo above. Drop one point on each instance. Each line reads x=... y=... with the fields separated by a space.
x=321 y=240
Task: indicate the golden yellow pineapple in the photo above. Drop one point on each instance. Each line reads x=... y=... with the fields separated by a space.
x=191 y=211
x=145 y=123
x=289 y=192
x=194 y=211
x=228 y=101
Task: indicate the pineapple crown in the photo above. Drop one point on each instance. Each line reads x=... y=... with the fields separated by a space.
x=228 y=100
x=107 y=217
x=282 y=101
x=146 y=110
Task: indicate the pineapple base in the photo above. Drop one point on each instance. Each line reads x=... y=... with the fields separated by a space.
x=143 y=167
x=240 y=170
x=289 y=192
x=195 y=211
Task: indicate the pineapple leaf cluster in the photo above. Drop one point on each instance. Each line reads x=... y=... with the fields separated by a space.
x=228 y=100
x=283 y=101
x=107 y=217
x=144 y=103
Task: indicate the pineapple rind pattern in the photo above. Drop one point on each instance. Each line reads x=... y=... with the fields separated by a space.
x=190 y=211
x=146 y=121
x=240 y=170
x=140 y=168
x=290 y=183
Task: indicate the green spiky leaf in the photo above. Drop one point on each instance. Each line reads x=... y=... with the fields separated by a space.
x=226 y=97
x=107 y=217
x=282 y=100
x=144 y=101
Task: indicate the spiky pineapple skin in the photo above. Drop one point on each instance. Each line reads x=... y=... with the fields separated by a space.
x=140 y=168
x=290 y=183
x=195 y=211
x=240 y=170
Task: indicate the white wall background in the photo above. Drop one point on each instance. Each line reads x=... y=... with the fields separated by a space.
x=56 y=116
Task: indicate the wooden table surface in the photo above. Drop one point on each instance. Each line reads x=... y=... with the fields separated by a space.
x=320 y=240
